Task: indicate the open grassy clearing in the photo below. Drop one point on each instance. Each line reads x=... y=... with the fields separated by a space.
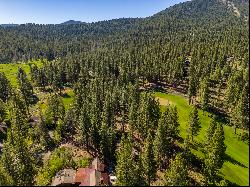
x=236 y=167
x=10 y=70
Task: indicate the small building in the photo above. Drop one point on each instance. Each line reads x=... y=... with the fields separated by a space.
x=64 y=177
x=95 y=175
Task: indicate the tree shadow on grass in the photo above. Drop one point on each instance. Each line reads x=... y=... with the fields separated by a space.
x=233 y=161
x=231 y=183
x=220 y=115
x=219 y=177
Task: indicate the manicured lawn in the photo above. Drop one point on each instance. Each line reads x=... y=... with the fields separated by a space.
x=236 y=168
x=10 y=70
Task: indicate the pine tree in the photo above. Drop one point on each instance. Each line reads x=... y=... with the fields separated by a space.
x=5 y=178
x=215 y=154
x=83 y=128
x=44 y=137
x=55 y=110
x=5 y=87
x=143 y=120
x=232 y=93
x=173 y=122
x=177 y=173
x=3 y=111
x=17 y=158
x=18 y=104
x=34 y=71
x=148 y=159
x=104 y=141
x=25 y=87
x=187 y=152
x=162 y=140
x=240 y=114
x=204 y=94
x=42 y=79
x=125 y=168
x=107 y=134
x=69 y=121
x=194 y=125
x=153 y=111
x=132 y=116
x=210 y=130
x=139 y=173
x=191 y=84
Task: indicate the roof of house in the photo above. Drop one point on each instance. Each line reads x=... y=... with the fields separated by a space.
x=83 y=175
x=87 y=177
x=66 y=176
x=98 y=165
x=95 y=178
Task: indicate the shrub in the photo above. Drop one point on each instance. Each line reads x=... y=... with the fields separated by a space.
x=83 y=163
x=61 y=158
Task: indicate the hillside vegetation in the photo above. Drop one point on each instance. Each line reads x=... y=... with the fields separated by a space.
x=89 y=87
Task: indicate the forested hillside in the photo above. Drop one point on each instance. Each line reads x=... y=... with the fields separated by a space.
x=90 y=85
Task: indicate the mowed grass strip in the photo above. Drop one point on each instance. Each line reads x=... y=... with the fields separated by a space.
x=236 y=167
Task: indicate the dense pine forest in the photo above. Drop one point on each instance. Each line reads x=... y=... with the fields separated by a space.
x=162 y=100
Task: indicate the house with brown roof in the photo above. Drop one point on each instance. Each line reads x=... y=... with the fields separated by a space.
x=95 y=175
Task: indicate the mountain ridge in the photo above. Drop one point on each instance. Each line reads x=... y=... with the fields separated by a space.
x=230 y=4
x=69 y=22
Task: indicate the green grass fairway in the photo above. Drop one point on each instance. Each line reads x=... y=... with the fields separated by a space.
x=236 y=168
x=68 y=100
x=10 y=70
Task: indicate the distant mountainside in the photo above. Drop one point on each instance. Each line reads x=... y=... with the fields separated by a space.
x=8 y=25
x=208 y=10
x=71 y=22
x=198 y=16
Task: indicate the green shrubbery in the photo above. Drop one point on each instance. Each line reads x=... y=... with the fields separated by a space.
x=83 y=163
x=61 y=158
